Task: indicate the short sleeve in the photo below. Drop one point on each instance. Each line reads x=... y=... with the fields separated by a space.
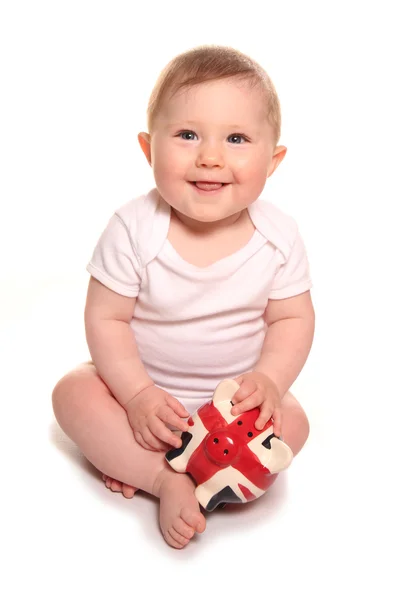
x=293 y=276
x=114 y=262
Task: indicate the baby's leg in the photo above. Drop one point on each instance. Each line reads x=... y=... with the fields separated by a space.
x=88 y=413
x=295 y=425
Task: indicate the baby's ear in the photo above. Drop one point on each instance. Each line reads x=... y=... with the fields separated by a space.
x=144 y=141
x=277 y=158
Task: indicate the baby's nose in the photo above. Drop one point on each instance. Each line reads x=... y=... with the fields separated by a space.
x=210 y=155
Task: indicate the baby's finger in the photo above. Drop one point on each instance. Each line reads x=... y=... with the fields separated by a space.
x=265 y=414
x=247 y=404
x=247 y=388
x=162 y=432
x=152 y=440
x=167 y=415
x=277 y=419
x=176 y=406
x=141 y=442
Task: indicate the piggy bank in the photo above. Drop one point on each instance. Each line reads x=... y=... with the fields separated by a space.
x=228 y=458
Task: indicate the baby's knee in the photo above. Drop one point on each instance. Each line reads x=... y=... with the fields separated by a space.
x=301 y=431
x=62 y=393
x=71 y=390
x=304 y=424
x=295 y=424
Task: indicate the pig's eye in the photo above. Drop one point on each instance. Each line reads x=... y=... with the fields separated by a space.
x=250 y=434
x=225 y=451
x=239 y=422
x=215 y=441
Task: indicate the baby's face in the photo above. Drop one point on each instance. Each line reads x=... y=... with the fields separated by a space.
x=215 y=132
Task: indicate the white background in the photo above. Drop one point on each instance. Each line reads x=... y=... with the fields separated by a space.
x=75 y=81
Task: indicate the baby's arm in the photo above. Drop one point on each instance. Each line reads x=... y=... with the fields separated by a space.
x=113 y=349
x=285 y=349
x=111 y=342
x=288 y=340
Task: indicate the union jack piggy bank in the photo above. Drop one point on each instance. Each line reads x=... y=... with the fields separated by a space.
x=229 y=459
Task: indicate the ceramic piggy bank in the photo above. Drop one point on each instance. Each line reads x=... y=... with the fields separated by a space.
x=229 y=459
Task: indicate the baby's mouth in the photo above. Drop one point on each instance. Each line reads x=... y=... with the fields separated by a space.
x=208 y=185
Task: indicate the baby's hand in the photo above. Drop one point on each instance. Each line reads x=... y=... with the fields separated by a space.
x=149 y=412
x=256 y=389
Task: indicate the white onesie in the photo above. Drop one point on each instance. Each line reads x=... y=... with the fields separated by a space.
x=196 y=326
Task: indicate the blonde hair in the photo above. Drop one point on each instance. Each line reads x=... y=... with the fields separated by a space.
x=209 y=63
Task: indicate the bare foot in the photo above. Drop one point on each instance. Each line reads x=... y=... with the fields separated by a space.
x=117 y=486
x=180 y=515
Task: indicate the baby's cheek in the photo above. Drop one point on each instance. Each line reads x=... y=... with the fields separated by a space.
x=165 y=169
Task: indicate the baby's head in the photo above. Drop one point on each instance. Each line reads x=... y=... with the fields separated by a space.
x=213 y=116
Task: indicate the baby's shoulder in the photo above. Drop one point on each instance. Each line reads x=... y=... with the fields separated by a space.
x=140 y=209
x=147 y=220
x=274 y=224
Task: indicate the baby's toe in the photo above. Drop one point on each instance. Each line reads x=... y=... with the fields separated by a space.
x=172 y=541
x=116 y=486
x=181 y=539
x=195 y=519
x=183 y=529
x=128 y=490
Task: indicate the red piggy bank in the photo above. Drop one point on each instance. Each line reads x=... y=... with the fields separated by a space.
x=229 y=459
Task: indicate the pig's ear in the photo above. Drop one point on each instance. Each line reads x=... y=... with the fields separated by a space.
x=280 y=456
x=225 y=391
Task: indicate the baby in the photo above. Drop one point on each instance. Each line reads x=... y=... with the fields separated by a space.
x=197 y=281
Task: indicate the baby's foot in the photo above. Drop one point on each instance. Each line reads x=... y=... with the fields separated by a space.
x=117 y=486
x=180 y=515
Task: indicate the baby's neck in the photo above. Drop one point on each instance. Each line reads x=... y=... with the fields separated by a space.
x=201 y=228
x=204 y=246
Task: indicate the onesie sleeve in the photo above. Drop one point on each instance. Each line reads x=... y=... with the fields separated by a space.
x=293 y=276
x=114 y=262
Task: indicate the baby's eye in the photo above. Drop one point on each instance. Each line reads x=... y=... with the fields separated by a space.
x=236 y=138
x=187 y=135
